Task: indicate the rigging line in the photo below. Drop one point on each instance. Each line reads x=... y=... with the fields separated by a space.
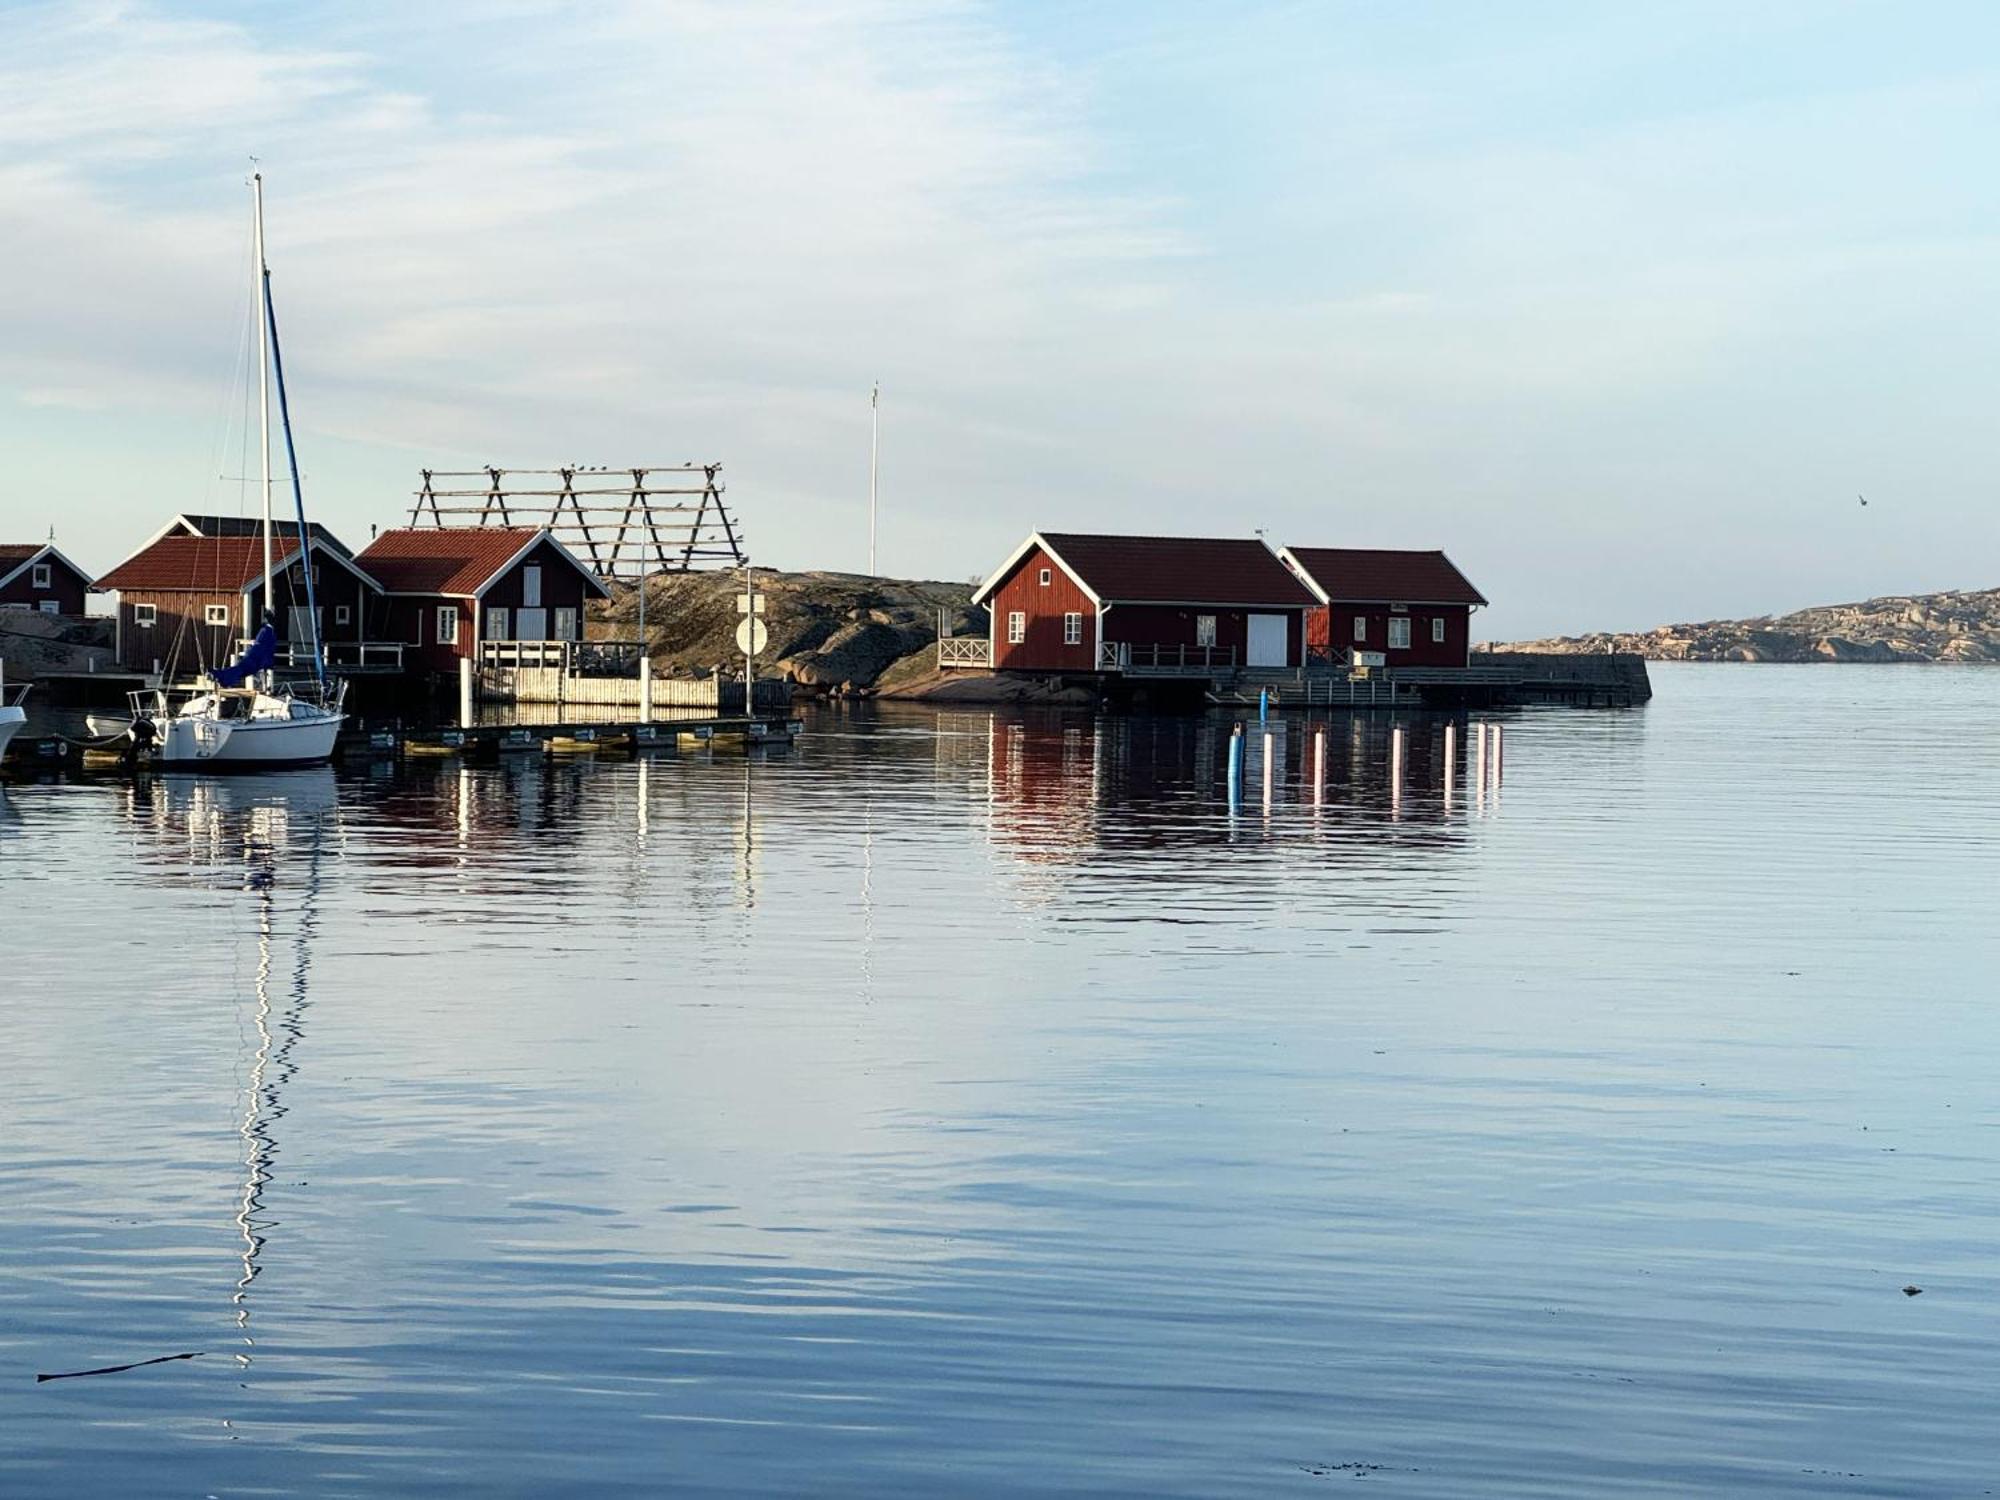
x=239 y=359
x=302 y=537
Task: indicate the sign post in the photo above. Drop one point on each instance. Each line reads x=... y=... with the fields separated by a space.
x=750 y=635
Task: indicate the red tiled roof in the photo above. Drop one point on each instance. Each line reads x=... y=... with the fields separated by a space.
x=456 y=561
x=18 y=552
x=1179 y=570
x=1383 y=576
x=203 y=564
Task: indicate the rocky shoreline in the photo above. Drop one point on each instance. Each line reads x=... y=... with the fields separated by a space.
x=1946 y=627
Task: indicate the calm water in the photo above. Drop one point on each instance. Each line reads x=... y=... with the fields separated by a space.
x=971 y=1104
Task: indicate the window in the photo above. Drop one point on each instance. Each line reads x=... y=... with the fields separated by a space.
x=496 y=623
x=1073 y=630
x=216 y=614
x=144 y=614
x=1017 y=628
x=1399 y=633
x=51 y=606
x=1361 y=627
x=1437 y=629
x=531 y=586
x=1204 y=630
x=340 y=614
x=1047 y=577
x=566 y=625
x=417 y=626
x=41 y=576
x=1399 y=609
x=447 y=625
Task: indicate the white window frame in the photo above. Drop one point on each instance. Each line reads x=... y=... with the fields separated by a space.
x=1399 y=633
x=145 y=615
x=417 y=626
x=498 y=624
x=446 y=626
x=1437 y=630
x=531 y=586
x=1204 y=630
x=1048 y=577
x=566 y=623
x=51 y=606
x=1073 y=629
x=340 y=614
x=1361 y=627
x=39 y=578
x=1017 y=627
x=215 y=614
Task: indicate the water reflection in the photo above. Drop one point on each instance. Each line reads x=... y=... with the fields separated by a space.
x=1062 y=789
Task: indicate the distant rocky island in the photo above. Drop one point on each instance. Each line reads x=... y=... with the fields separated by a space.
x=1950 y=627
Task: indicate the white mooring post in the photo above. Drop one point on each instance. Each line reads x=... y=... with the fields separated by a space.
x=465 y=692
x=645 y=686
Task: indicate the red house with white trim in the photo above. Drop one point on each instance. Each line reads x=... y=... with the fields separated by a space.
x=33 y=575
x=1414 y=608
x=447 y=590
x=1084 y=603
x=187 y=599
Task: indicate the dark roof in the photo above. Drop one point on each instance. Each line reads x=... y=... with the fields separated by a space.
x=18 y=552
x=1375 y=575
x=456 y=561
x=197 y=564
x=1178 y=570
x=254 y=526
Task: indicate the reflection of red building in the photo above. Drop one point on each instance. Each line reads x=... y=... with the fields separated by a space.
x=1044 y=787
x=1413 y=607
x=1072 y=602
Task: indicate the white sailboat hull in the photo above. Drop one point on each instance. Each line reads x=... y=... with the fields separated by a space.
x=11 y=720
x=192 y=743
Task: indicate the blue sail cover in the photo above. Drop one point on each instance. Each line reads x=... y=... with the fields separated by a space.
x=261 y=653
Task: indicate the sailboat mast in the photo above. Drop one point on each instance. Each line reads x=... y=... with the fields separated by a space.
x=263 y=385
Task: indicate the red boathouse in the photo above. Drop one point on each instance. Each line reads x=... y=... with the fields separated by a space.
x=450 y=590
x=33 y=575
x=1083 y=603
x=1414 y=608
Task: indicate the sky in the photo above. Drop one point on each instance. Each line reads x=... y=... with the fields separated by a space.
x=1622 y=306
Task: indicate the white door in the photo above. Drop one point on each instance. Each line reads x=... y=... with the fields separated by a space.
x=1268 y=641
x=531 y=589
x=531 y=624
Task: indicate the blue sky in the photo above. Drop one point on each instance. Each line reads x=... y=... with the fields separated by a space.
x=1621 y=305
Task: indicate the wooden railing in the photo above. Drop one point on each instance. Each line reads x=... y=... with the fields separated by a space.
x=964 y=651
x=1125 y=656
x=571 y=658
x=339 y=656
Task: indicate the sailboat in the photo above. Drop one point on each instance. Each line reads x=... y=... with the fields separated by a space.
x=13 y=713
x=243 y=719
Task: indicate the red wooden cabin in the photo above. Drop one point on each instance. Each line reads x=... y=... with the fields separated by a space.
x=1081 y=603
x=448 y=590
x=1414 y=608
x=33 y=575
x=187 y=600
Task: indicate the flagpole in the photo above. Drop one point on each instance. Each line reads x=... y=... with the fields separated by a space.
x=874 y=466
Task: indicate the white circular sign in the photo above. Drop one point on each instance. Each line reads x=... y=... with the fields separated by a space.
x=751 y=635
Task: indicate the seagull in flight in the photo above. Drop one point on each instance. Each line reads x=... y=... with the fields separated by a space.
x=1862 y=498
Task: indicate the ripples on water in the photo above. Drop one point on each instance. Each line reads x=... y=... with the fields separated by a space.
x=971 y=1103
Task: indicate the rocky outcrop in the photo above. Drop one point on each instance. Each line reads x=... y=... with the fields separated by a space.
x=828 y=632
x=1951 y=627
x=34 y=645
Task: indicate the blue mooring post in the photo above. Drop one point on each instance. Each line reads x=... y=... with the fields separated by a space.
x=1263 y=705
x=1235 y=765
